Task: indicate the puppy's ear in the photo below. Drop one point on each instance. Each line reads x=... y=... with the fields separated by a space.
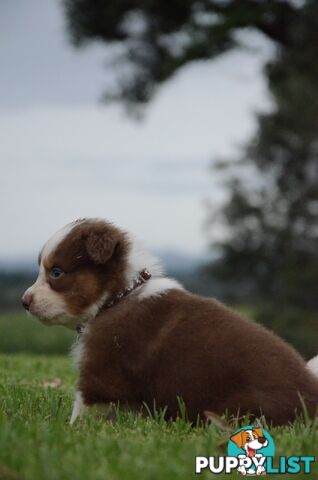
x=100 y=247
x=238 y=439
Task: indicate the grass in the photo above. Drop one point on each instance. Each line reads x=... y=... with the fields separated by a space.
x=21 y=333
x=37 y=443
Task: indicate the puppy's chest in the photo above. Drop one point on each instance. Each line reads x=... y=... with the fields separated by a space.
x=114 y=347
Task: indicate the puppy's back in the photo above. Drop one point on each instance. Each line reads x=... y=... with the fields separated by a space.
x=183 y=345
x=217 y=360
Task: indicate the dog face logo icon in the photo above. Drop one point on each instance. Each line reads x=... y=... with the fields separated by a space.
x=250 y=440
x=251 y=445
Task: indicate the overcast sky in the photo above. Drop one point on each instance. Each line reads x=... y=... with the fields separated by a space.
x=65 y=155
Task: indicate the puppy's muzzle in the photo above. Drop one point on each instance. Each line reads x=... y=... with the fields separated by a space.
x=26 y=301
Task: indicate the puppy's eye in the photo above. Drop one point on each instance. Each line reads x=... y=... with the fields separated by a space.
x=56 y=273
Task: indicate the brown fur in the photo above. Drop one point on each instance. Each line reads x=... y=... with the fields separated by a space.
x=94 y=258
x=183 y=345
x=170 y=345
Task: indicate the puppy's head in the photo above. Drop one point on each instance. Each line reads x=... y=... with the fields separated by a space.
x=80 y=266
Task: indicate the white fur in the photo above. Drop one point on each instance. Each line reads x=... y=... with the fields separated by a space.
x=78 y=407
x=312 y=366
x=78 y=348
x=55 y=240
x=50 y=307
x=158 y=286
x=138 y=259
x=47 y=304
x=93 y=309
x=77 y=351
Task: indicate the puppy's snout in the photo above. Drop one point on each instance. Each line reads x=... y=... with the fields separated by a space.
x=27 y=300
x=262 y=440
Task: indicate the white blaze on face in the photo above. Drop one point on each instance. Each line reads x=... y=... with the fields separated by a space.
x=55 y=241
x=48 y=305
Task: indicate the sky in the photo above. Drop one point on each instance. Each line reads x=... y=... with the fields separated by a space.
x=64 y=154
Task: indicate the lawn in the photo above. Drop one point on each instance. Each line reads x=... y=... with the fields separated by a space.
x=36 y=442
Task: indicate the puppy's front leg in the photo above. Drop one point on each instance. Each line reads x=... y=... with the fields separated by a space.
x=78 y=407
x=107 y=409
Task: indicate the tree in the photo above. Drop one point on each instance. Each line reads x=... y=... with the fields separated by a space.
x=154 y=39
x=272 y=209
x=273 y=222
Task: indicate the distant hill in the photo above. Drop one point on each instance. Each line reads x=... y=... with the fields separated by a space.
x=176 y=261
x=23 y=264
x=173 y=260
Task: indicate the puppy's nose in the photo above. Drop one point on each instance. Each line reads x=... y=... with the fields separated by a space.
x=261 y=440
x=27 y=300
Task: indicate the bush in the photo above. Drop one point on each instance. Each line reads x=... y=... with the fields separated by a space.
x=297 y=327
x=20 y=333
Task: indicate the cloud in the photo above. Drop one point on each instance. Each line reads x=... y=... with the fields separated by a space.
x=62 y=155
x=38 y=65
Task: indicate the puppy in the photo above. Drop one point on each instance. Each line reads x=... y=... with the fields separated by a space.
x=143 y=338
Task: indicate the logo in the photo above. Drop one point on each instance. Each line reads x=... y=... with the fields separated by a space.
x=251 y=445
x=251 y=451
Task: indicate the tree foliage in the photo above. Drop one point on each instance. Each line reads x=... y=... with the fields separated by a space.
x=273 y=220
x=154 y=39
x=272 y=210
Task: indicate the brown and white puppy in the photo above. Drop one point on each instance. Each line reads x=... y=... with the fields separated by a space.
x=147 y=340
